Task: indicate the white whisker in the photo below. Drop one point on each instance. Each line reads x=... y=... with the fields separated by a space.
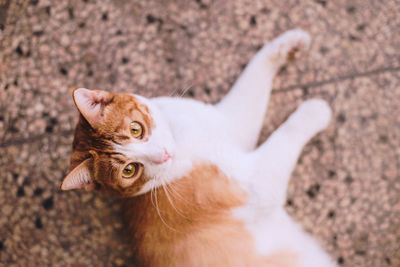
x=158 y=209
x=171 y=202
x=177 y=194
x=185 y=90
x=173 y=92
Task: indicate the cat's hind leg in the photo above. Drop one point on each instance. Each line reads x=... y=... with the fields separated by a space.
x=274 y=160
x=246 y=103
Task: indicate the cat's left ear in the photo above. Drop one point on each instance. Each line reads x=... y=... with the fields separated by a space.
x=79 y=178
x=91 y=104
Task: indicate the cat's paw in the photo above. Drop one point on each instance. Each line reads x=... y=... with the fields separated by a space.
x=290 y=45
x=313 y=115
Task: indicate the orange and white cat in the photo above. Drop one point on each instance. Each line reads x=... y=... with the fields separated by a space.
x=196 y=190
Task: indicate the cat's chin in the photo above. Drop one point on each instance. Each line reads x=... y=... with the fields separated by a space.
x=156 y=171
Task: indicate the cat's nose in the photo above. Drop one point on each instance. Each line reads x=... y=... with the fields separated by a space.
x=158 y=157
x=166 y=156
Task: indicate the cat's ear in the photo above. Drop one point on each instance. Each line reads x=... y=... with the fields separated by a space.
x=79 y=178
x=91 y=104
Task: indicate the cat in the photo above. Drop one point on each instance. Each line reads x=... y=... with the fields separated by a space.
x=196 y=190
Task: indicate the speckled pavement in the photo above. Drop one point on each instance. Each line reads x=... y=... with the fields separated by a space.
x=345 y=189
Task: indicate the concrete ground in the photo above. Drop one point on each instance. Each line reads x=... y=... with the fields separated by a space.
x=345 y=189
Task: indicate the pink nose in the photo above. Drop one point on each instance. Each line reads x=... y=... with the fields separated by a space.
x=165 y=157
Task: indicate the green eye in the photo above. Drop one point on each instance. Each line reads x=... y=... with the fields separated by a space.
x=136 y=129
x=130 y=170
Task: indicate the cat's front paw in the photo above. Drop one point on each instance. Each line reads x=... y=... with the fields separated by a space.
x=290 y=45
x=314 y=115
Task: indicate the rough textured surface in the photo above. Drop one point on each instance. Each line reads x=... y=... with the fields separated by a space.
x=345 y=189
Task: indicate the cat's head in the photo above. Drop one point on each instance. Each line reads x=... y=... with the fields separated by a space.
x=121 y=143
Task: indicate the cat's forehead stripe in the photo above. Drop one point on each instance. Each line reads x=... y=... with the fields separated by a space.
x=120 y=138
x=118 y=160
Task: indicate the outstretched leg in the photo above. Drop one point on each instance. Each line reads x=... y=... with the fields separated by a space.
x=246 y=103
x=276 y=158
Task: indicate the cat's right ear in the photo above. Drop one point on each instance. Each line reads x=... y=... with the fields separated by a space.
x=79 y=178
x=91 y=104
